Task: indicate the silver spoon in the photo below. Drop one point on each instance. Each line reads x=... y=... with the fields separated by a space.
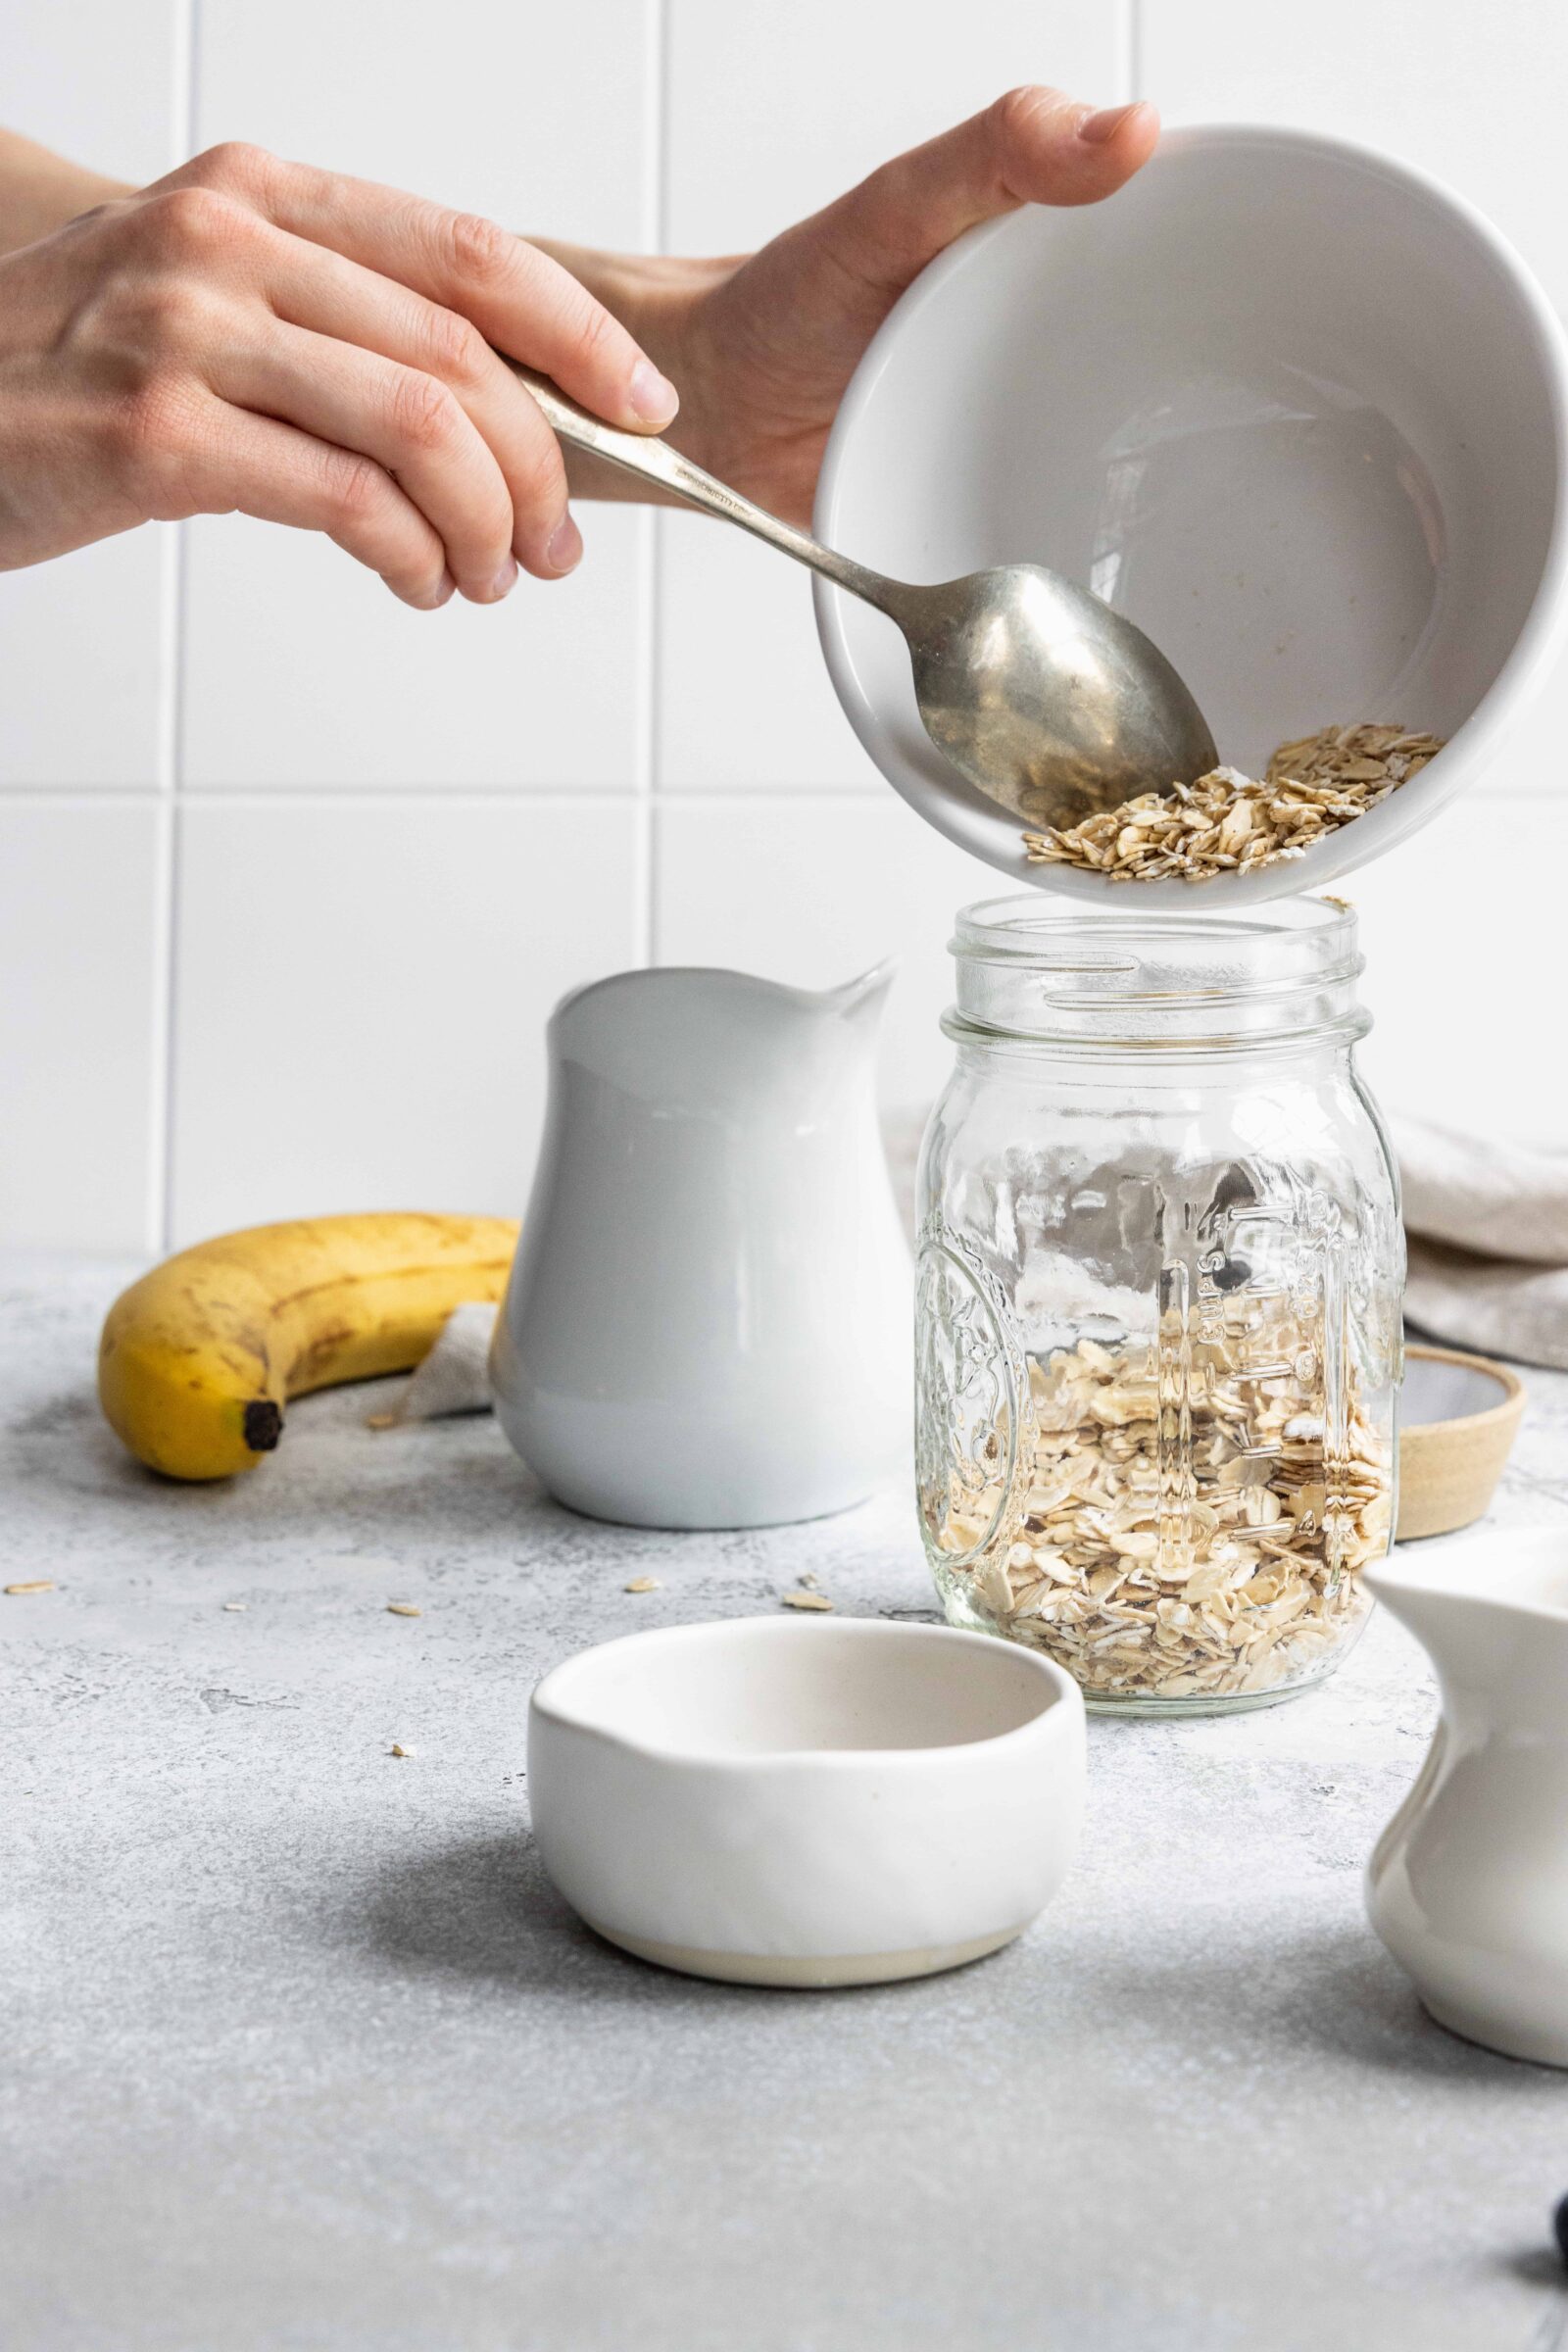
x=1052 y=705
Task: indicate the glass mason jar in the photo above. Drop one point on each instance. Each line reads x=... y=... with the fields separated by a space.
x=1159 y=1332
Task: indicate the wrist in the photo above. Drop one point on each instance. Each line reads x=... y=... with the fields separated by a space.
x=39 y=191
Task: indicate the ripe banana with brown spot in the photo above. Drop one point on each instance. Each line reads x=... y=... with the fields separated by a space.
x=200 y=1356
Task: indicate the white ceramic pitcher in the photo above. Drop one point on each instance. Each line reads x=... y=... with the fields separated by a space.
x=1468 y=1885
x=709 y=1319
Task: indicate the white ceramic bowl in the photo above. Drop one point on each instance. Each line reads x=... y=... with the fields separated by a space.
x=837 y=1802
x=1293 y=407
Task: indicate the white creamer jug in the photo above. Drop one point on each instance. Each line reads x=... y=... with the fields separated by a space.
x=709 y=1319
x=1468 y=1885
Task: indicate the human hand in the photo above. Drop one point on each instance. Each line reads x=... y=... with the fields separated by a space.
x=258 y=336
x=763 y=348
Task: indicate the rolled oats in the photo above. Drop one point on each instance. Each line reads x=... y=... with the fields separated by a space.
x=1190 y=1535
x=1228 y=822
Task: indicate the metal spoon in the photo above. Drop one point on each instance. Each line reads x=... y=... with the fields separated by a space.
x=1036 y=690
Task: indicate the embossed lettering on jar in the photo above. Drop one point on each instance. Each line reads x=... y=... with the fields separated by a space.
x=1160 y=1275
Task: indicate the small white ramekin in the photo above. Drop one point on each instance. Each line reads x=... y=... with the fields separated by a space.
x=843 y=1801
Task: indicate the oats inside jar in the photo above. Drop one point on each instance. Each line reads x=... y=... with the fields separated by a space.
x=1184 y=1522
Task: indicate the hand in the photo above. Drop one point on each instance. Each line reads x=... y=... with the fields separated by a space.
x=248 y=335
x=763 y=348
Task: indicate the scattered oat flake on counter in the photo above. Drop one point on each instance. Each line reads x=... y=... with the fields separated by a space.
x=806 y=1600
x=1227 y=823
x=809 y=1579
x=236 y=1606
x=399 y=1750
x=403 y=1609
x=643 y=1584
x=37 y=1584
x=380 y=1420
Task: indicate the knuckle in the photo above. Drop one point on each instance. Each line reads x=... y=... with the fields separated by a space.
x=593 y=332
x=422 y=411
x=194 y=224
x=454 y=349
x=539 y=483
x=233 y=163
x=478 y=249
x=356 y=492
x=1019 y=113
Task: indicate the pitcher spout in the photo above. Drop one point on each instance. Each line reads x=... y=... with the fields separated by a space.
x=863 y=1000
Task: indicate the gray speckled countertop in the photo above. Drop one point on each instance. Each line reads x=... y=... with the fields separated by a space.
x=298 y=2050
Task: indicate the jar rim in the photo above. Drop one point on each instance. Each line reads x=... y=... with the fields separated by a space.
x=1028 y=926
x=1054 y=971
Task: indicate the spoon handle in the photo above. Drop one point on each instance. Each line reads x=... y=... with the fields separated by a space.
x=654 y=461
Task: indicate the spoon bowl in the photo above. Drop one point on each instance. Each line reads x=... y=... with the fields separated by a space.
x=1049 y=706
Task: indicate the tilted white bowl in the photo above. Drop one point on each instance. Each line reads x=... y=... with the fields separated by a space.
x=1294 y=408
x=836 y=1802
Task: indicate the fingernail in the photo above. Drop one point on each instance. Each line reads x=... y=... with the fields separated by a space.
x=1100 y=129
x=505 y=579
x=437 y=596
x=654 y=398
x=565 y=552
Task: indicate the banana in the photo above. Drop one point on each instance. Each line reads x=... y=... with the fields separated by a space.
x=200 y=1356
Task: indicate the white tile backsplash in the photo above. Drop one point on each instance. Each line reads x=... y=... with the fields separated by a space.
x=84 y=644
x=773 y=112
x=745 y=702
x=363 y=988
x=81 y=1002
x=402 y=836
x=303 y=669
x=100 y=80
x=538 y=117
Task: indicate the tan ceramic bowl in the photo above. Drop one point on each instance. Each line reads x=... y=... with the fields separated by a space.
x=1458 y=1420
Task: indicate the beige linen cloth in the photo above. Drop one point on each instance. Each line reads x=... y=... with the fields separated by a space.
x=1487 y=1223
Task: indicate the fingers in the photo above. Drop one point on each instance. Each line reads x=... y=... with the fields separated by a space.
x=516 y=296
x=1033 y=146
x=239 y=464
x=312 y=288
x=411 y=423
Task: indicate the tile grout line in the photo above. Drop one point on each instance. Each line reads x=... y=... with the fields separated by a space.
x=173 y=637
x=1133 y=48
x=650 y=537
x=555 y=796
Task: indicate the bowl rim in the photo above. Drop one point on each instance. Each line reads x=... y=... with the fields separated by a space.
x=1507 y=1409
x=1542 y=637
x=1060 y=1690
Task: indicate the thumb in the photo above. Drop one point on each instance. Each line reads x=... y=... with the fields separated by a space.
x=1033 y=146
